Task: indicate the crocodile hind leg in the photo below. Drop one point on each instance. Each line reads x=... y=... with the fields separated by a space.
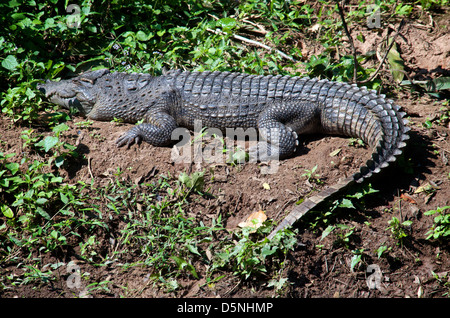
x=278 y=126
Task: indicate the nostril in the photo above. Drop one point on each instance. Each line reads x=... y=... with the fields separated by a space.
x=41 y=88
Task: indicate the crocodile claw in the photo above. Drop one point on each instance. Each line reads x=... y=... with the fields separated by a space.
x=129 y=138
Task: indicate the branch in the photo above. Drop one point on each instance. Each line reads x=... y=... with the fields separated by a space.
x=244 y=39
x=344 y=24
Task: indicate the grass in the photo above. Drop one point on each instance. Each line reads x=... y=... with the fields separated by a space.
x=126 y=225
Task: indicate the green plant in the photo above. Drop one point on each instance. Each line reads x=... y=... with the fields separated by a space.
x=343 y=234
x=354 y=199
x=440 y=230
x=443 y=280
x=356 y=259
x=194 y=182
x=59 y=147
x=311 y=175
x=249 y=258
x=398 y=229
x=356 y=142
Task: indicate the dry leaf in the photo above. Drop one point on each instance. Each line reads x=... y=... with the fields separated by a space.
x=254 y=220
x=335 y=152
x=406 y=197
x=427 y=187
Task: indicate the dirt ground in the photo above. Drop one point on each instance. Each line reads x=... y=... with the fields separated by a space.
x=312 y=271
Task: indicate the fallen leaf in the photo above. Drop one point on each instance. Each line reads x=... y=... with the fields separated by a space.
x=335 y=152
x=254 y=220
x=427 y=187
x=266 y=186
x=420 y=292
x=406 y=197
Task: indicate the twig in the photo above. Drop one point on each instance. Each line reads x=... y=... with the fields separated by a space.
x=244 y=39
x=260 y=27
x=237 y=203
x=89 y=168
x=344 y=24
x=385 y=55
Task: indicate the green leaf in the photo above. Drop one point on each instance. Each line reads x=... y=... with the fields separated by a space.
x=239 y=156
x=4 y=182
x=226 y=24
x=267 y=250
x=396 y=63
x=407 y=223
x=141 y=36
x=64 y=198
x=6 y=210
x=13 y=4
x=277 y=284
x=59 y=161
x=42 y=213
x=184 y=178
x=381 y=250
x=195 y=182
x=10 y=63
x=193 y=249
x=59 y=128
x=355 y=261
x=327 y=231
x=41 y=201
x=48 y=142
x=438 y=84
x=12 y=166
x=182 y=263
x=346 y=203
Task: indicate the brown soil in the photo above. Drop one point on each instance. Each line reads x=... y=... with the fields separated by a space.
x=312 y=271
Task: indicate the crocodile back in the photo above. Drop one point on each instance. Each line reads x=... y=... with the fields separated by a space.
x=232 y=100
x=343 y=109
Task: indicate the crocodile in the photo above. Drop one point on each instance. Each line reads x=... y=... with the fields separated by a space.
x=280 y=107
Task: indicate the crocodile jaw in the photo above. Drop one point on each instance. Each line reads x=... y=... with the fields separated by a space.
x=79 y=93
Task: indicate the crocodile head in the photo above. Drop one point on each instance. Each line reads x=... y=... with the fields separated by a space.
x=78 y=93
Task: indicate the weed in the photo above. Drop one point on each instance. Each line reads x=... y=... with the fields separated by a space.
x=249 y=258
x=356 y=259
x=443 y=280
x=354 y=199
x=195 y=182
x=311 y=175
x=356 y=142
x=440 y=230
x=398 y=229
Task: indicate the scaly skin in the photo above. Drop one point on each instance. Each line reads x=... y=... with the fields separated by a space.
x=280 y=107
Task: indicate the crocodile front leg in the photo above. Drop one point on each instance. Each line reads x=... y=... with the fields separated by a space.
x=157 y=132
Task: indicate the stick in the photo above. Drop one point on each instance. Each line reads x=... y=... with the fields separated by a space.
x=344 y=24
x=244 y=39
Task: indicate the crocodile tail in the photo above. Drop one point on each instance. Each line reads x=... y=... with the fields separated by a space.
x=359 y=113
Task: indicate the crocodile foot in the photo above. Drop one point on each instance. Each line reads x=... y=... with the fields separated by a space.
x=131 y=137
